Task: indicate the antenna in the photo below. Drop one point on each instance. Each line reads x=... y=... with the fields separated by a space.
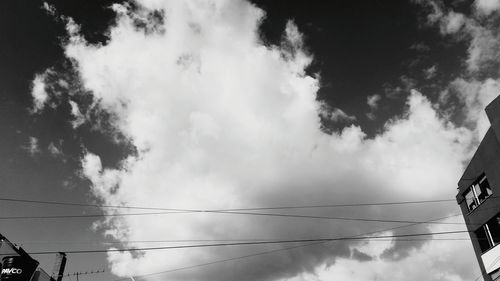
x=78 y=273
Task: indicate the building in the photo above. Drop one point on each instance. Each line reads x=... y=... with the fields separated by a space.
x=17 y=265
x=479 y=197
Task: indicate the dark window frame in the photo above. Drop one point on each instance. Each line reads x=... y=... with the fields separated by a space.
x=488 y=235
x=477 y=192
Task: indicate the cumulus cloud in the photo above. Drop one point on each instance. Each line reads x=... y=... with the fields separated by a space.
x=481 y=35
x=38 y=92
x=452 y=23
x=487 y=6
x=431 y=262
x=220 y=120
x=484 y=47
x=474 y=96
x=478 y=86
x=299 y=173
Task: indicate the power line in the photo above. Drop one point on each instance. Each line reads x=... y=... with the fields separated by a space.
x=345 y=205
x=227 y=210
x=330 y=217
x=83 y=216
x=223 y=260
x=236 y=211
x=81 y=204
x=249 y=243
x=233 y=259
x=213 y=240
x=274 y=251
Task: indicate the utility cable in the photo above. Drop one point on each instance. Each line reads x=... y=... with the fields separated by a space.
x=274 y=251
x=225 y=210
x=214 y=240
x=248 y=243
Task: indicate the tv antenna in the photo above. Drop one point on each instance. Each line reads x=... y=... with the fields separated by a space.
x=78 y=273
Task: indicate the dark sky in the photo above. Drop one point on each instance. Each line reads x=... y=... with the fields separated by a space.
x=360 y=49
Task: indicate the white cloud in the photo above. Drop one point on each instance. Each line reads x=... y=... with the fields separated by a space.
x=487 y=6
x=448 y=260
x=483 y=48
x=475 y=95
x=78 y=118
x=373 y=101
x=420 y=47
x=339 y=114
x=32 y=148
x=475 y=88
x=430 y=72
x=482 y=37
x=49 y=9
x=38 y=92
x=452 y=23
x=435 y=12
x=220 y=120
x=55 y=149
x=335 y=114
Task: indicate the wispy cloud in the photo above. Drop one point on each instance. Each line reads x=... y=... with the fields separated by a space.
x=430 y=72
x=373 y=102
x=32 y=147
x=55 y=149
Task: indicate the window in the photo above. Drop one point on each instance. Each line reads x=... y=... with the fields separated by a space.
x=470 y=199
x=488 y=235
x=477 y=192
x=482 y=189
x=483 y=239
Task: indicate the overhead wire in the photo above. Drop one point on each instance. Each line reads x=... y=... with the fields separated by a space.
x=213 y=240
x=273 y=251
x=237 y=211
x=231 y=211
x=226 y=210
x=234 y=211
x=246 y=243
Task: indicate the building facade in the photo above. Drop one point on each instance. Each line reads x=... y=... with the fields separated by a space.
x=479 y=197
x=17 y=265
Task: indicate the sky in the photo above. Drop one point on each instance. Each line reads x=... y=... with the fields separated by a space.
x=230 y=104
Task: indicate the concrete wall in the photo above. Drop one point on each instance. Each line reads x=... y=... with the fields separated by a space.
x=485 y=160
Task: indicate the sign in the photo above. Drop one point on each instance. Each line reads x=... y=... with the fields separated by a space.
x=17 y=268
